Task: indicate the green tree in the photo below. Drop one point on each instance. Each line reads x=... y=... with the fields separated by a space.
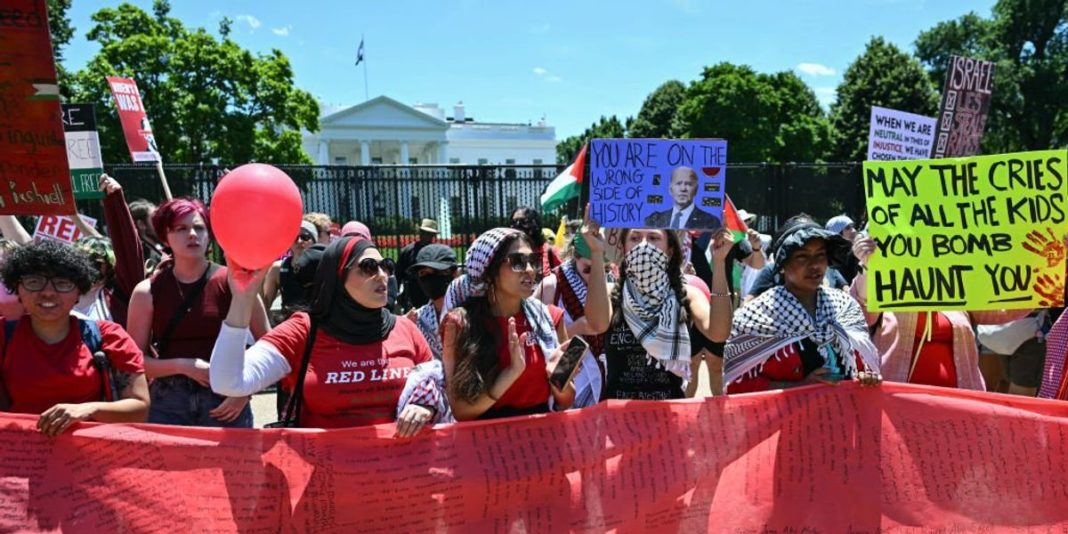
x=62 y=31
x=206 y=96
x=1029 y=43
x=883 y=75
x=604 y=128
x=764 y=117
x=654 y=119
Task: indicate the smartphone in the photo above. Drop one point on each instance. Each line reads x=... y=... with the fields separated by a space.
x=569 y=363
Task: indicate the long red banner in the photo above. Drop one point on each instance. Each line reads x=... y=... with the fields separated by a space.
x=829 y=459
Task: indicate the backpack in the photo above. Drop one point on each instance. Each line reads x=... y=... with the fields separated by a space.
x=92 y=339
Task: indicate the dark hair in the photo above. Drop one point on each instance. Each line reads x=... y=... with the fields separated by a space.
x=675 y=261
x=529 y=223
x=478 y=340
x=48 y=258
x=141 y=210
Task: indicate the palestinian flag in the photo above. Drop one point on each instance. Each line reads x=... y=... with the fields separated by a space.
x=732 y=221
x=566 y=186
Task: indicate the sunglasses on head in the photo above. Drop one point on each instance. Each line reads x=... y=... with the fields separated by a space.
x=370 y=266
x=34 y=283
x=520 y=262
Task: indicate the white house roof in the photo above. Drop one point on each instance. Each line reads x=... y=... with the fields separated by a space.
x=382 y=111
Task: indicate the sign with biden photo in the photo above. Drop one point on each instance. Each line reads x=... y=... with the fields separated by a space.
x=658 y=183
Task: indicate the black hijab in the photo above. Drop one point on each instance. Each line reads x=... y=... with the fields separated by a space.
x=333 y=308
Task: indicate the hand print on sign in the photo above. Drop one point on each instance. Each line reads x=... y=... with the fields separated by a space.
x=1051 y=290
x=1050 y=248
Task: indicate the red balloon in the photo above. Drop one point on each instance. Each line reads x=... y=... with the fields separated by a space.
x=255 y=214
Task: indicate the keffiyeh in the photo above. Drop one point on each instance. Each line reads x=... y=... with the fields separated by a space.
x=651 y=310
x=574 y=279
x=777 y=319
x=427 y=321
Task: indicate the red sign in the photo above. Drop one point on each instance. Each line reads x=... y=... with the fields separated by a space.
x=135 y=125
x=34 y=178
x=895 y=458
x=60 y=228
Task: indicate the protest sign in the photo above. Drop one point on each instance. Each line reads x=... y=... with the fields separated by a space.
x=809 y=459
x=83 y=150
x=965 y=106
x=34 y=178
x=895 y=135
x=979 y=233
x=658 y=183
x=135 y=125
x=60 y=228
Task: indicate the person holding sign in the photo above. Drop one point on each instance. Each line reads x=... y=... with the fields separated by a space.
x=177 y=314
x=54 y=364
x=500 y=342
x=930 y=348
x=800 y=332
x=655 y=316
x=684 y=214
x=347 y=361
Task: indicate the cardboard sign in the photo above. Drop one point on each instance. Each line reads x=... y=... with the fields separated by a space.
x=980 y=233
x=83 y=150
x=60 y=228
x=34 y=178
x=658 y=183
x=965 y=106
x=135 y=125
x=895 y=135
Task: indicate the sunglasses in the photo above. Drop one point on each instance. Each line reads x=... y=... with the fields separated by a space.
x=304 y=236
x=520 y=262
x=35 y=284
x=370 y=266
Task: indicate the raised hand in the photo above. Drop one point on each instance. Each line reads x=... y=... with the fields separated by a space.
x=591 y=232
x=863 y=248
x=108 y=185
x=242 y=281
x=518 y=361
x=722 y=242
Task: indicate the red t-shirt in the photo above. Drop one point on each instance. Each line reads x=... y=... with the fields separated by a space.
x=532 y=387
x=349 y=385
x=935 y=366
x=37 y=375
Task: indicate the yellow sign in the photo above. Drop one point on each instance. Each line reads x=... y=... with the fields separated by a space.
x=979 y=233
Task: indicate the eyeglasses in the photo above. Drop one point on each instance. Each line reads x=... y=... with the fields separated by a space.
x=520 y=262
x=37 y=283
x=370 y=266
x=304 y=236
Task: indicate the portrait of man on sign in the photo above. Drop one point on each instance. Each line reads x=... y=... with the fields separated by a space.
x=684 y=214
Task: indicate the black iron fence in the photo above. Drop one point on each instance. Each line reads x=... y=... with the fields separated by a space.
x=392 y=199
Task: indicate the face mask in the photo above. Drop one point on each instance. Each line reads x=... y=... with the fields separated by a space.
x=647 y=269
x=435 y=285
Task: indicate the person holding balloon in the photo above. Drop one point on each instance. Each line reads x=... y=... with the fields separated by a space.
x=176 y=315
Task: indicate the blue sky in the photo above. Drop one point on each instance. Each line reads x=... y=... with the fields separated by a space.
x=569 y=61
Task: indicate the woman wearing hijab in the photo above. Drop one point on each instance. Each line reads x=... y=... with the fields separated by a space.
x=499 y=339
x=935 y=348
x=347 y=361
x=800 y=332
x=655 y=316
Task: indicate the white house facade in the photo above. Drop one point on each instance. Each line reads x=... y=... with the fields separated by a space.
x=383 y=131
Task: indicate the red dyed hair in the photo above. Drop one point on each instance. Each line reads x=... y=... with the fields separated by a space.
x=169 y=212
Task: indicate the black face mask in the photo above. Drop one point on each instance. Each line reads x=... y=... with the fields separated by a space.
x=435 y=285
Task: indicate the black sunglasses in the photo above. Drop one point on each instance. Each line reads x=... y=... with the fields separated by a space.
x=370 y=266
x=519 y=261
x=305 y=236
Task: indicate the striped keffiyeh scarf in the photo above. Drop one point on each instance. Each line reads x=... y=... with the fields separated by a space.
x=574 y=279
x=777 y=319
x=651 y=310
x=427 y=321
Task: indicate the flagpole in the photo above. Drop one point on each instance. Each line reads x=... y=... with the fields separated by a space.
x=366 y=92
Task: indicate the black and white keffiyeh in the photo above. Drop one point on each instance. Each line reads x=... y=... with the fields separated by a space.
x=651 y=310
x=777 y=319
x=429 y=324
x=574 y=279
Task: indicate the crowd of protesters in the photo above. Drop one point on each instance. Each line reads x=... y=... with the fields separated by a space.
x=139 y=325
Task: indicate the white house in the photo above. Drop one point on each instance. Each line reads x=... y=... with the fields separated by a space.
x=383 y=131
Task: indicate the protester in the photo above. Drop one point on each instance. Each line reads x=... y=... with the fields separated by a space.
x=346 y=361
x=704 y=351
x=322 y=224
x=499 y=339
x=1054 y=384
x=411 y=295
x=356 y=228
x=800 y=332
x=656 y=317
x=10 y=306
x=434 y=270
x=844 y=226
x=126 y=254
x=152 y=251
x=47 y=356
x=770 y=276
x=528 y=221
x=1019 y=349
x=94 y=304
x=281 y=277
x=177 y=314
x=933 y=348
x=580 y=288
